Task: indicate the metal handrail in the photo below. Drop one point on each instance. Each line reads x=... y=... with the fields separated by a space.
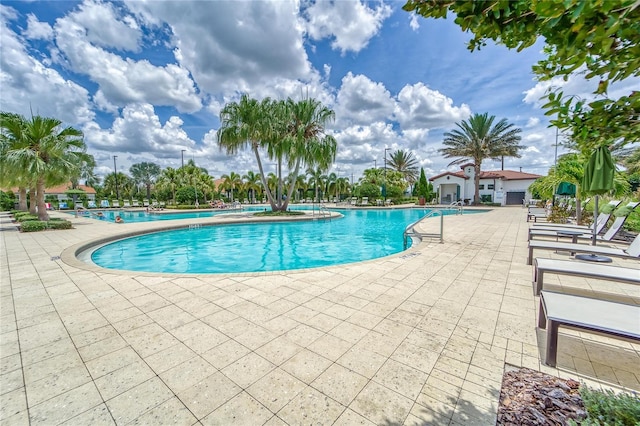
x=410 y=228
x=458 y=207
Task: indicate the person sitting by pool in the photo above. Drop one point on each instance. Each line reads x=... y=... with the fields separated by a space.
x=119 y=219
x=99 y=214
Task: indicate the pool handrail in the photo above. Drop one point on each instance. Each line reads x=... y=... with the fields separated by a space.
x=410 y=228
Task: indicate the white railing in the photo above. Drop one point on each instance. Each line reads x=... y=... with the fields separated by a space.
x=409 y=230
x=457 y=206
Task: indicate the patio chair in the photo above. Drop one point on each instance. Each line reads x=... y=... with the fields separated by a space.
x=91 y=204
x=365 y=201
x=126 y=204
x=585 y=314
x=536 y=213
x=601 y=220
x=145 y=203
x=63 y=205
x=354 y=201
x=104 y=204
x=115 y=204
x=581 y=269
x=588 y=234
x=631 y=252
x=136 y=203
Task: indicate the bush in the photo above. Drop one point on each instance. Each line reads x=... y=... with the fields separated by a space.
x=369 y=190
x=59 y=224
x=607 y=408
x=25 y=217
x=7 y=200
x=33 y=226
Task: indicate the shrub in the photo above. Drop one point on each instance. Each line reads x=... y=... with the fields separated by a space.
x=33 y=226
x=369 y=190
x=59 y=224
x=25 y=217
x=7 y=200
x=607 y=408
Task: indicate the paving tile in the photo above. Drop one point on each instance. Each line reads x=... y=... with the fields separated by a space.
x=330 y=346
x=12 y=403
x=130 y=405
x=42 y=369
x=241 y=410
x=75 y=401
x=171 y=411
x=123 y=379
x=225 y=354
x=248 y=370
x=99 y=415
x=401 y=378
x=11 y=381
x=208 y=394
x=169 y=358
x=57 y=383
x=381 y=405
x=110 y=362
x=278 y=350
x=306 y=365
x=187 y=373
x=276 y=389
x=350 y=417
x=362 y=361
x=311 y=407
x=304 y=335
x=340 y=383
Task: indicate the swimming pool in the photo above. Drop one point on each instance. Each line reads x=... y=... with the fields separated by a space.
x=360 y=235
x=142 y=216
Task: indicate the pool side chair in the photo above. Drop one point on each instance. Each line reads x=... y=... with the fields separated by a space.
x=136 y=203
x=145 y=203
x=365 y=201
x=63 y=206
x=631 y=252
x=585 y=314
x=354 y=201
x=91 y=204
x=544 y=266
x=104 y=204
x=535 y=213
x=601 y=220
x=126 y=204
x=116 y=204
x=613 y=230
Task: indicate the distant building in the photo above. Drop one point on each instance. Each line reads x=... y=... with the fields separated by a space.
x=60 y=192
x=506 y=187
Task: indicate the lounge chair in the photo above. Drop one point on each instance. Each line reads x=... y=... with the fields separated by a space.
x=91 y=204
x=136 y=203
x=365 y=201
x=126 y=204
x=354 y=201
x=104 y=204
x=116 y=204
x=631 y=252
x=63 y=205
x=587 y=234
x=584 y=313
x=601 y=220
x=145 y=203
x=581 y=269
x=536 y=213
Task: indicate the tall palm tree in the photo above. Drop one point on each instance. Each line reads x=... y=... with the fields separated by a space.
x=169 y=179
x=232 y=181
x=44 y=151
x=316 y=180
x=252 y=184
x=145 y=174
x=330 y=185
x=12 y=174
x=478 y=139
x=405 y=163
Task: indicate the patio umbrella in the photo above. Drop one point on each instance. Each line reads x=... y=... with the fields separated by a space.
x=598 y=177
x=566 y=188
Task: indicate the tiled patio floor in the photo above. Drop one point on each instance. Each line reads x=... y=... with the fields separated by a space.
x=421 y=337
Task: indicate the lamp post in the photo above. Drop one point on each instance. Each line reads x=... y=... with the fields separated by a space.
x=195 y=180
x=182 y=156
x=385 y=175
x=115 y=175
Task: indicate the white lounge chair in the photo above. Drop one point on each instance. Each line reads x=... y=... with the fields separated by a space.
x=91 y=204
x=365 y=201
x=104 y=204
x=116 y=204
x=581 y=269
x=631 y=252
x=535 y=213
x=126 y=204
x=584 y=313
x=601 y=221
x=136 y=203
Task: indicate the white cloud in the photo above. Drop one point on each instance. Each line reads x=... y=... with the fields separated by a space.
x=37 y=30
x=105 y=27
x=28 y=85
x=138 y=131
x=413 y=22
x=125 y=80
x=234 y=46
x=418 y=106
x=351 y=23
x=532 y=122
x=361 y=101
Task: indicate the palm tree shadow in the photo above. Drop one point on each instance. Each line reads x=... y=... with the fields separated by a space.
x=459 y=410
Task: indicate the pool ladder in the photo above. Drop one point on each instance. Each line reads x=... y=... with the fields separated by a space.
x=193 y=226
x=410 y=229
x=457 y=206
x=323 y=212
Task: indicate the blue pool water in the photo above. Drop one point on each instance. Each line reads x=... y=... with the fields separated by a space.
x=143 y=216
x=360 y=235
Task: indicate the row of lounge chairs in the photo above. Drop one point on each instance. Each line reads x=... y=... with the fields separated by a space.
x=559 y=309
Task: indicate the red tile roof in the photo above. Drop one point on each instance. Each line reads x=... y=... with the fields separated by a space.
x=492 y=174
x=60 y=189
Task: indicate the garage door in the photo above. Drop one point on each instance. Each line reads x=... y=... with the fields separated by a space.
x=515 y=198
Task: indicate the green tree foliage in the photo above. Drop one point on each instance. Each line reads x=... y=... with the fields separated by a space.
x=477 y=139
x=145 y=174
x=405 y=163
x=7 y=200
x=187 y=195
x=599 y=36
x=370 y=190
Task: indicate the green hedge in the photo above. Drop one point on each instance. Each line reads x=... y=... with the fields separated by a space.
x=26 y=217
x=33 y=226
x=59 y=224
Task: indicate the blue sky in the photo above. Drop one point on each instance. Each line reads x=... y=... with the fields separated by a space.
x=145 y=80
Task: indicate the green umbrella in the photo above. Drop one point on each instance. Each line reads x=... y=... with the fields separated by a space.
x=566 y=188
x=598 y=177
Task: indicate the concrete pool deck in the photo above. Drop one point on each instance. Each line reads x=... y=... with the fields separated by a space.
x=420 y=337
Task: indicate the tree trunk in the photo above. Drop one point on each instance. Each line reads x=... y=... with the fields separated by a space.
x=42 y=208
x=265 y=187
x=22 y=199
x=292 y=185
x=476 y=181
x=32 y=201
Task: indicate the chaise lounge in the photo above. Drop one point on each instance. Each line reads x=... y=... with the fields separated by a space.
x=631 y=252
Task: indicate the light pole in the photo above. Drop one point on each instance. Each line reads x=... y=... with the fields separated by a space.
x=195 y=179
x=115 y=176
x=182 y=155
x=384 y=184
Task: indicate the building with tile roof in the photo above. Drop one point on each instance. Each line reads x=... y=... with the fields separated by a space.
x=507 y=187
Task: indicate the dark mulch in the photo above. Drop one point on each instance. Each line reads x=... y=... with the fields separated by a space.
x=529 y=397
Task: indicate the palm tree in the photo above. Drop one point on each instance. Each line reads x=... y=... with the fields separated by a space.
x=145 y=174
x=125 y=184
x=316 y=180
x=232 y=181
x=45 y=152
x=170 y=178
x=252 y=183
x=331 y=185
x=478 y=139
x=405 y=163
